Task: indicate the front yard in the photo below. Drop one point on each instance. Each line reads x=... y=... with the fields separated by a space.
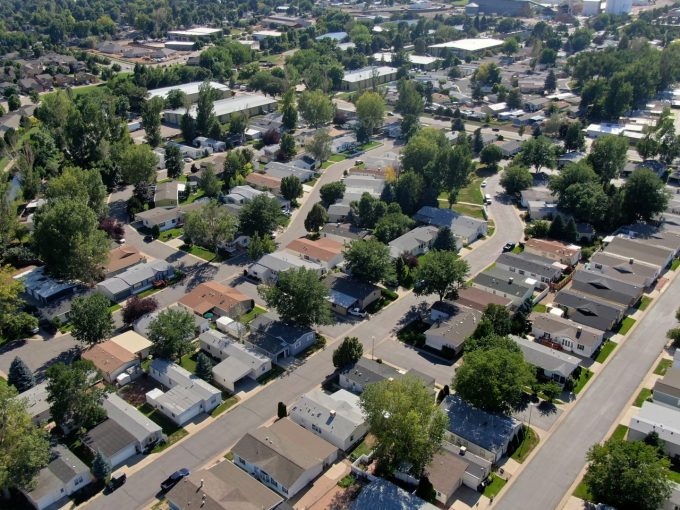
x=663 y=366
x=644 y=395
x=173 y=431
x=249 y=317
x=529 y=442
x=582 y=380
x=413 y=333
x=497 y=483
x=607 y=348
x=625 y=326
x=201 y=253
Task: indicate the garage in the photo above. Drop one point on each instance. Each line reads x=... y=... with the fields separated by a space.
x=113 y=441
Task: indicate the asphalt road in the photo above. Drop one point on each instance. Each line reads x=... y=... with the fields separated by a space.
x=547 y=478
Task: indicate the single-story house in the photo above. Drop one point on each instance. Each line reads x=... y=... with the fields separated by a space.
x=479 y=299
x=569 y=158
x=64 y=474
x=589 y=310
x=510 y=148
x=537 y=194
x=133 y=342
x=505 y=284
x=451 y=333
x=383 y=495
x=214 y=299
x=571 y=336
x=667 y=389
x=122 y=258
x=346 y=293
x=117 y=364
x=145 y=431
x=337 y=418
x=188 y=395
x=629 y=271
x=477 y=471
x=281 y=170
x=168 y=193
x=37 y=405
x=485 y=434
x=141 y=326
x=135 y=280
x=659 y=418
x=465 y=228
x=222 y=487
x=164 y=218
x=266 y=328
x=640 y=251
x=284 y=456
x=237 y=361
x=564 y=253
x=539 y=268
x=553 y=364
x=306 y=162
x=368 y=77
x=115 y=442
x=655 y=236
x=42 y=288
x=446 y=472
x=607 y=288
x=264 y=181
x=415 y=242
x=231 y=327
x=366 y=371
x=216 y=145
x=268 y=267
x=325 y=251
x=241 y=195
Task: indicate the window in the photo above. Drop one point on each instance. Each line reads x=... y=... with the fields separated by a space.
x=79 y=480
x=580 y=347
x=241 y=461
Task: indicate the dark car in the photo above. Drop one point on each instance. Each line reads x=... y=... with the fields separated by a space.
x=508 y=247
x=148 y=238
x=114 y=483
x=174 y=478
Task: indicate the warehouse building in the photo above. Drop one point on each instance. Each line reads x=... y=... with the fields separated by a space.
x=463 y=47
x=245 y=104
x=368 y=77
x=190 y=90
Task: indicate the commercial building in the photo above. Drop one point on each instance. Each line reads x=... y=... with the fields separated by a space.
x=463 y=47
x=368 y=77
x=190 y=90
x=245 y=104
x=194 y=34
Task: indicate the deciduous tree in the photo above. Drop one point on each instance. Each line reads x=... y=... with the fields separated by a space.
x=171 y=332
x=136 y=307
x=332 y=192
x=209 y=182
x=348 y=352
x=608 y=156
x=138 y=164
x=319 y=145
x=91 y=319
x=316 y=218
x=75 y=401
x=368 y=260
x=644 y=196
x=441 y=273
x=260 y=216
x=174 y=163
x=14 y=322
x=291 y=188
x=151 y=120
x=370 y=111
x=516 y=178
x=316 y=108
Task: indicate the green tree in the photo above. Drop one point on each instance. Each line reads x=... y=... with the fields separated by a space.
x=68 y=240
x=648 y=147
x=499 y=317
x=538 y=152
x=291 y=188
x=260 y=215
x=391 y=226
x=20 y=376
x=574 y=139
x=370 y=111
x=13 y=102
x=174 y=163
x=644 y=196
x=211 y=226
x=514 y=99
x=628 y=475
x=556 y=228
x=238 y=123
x=316 y=108
x=348 y=352
x=491 y=156
x=407 y=425
x=14 y=322
x=441 y=273
x=368 y=260
x=316 y=218
x=171 y=332
x=151 y=120
x=551 y=390
x=205 y=109
x=538 y=228
x=175 y=99
x=101 y=467
x=608 y=156
x=84 y=185
x=319 y=145
x=75 y=401
x=445 y=241
x=287 y=147
x=410 y=104
x=187 y=126
x=408 y=192
x=289 y=110
x=332 y=192
x=259 y=246
x=550 y=82
x=516 y=178
x=204 y=367
x=570 y=231
x=209 y=182
x=138 y=164
x=24 y=449
x=505 y=374
x=489 y=340
x=91 y=319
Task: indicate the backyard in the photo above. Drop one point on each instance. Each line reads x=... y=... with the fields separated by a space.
x=249 y=317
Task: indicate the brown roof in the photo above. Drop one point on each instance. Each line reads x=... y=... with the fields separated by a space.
x=209 y=295
x=108 y=356
x=123 y=257
x=478 y=299
x=445 y=472
x=263 y=180
x=556 y=247
x=324 y=248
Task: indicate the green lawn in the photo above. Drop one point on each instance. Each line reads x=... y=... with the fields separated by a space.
x=370 y=145
x=194 y=196
x=674 y=475
x=675 y=264
x=620 y=432
x=226 y=404
x=469 y=210
x=148 y=293
x=188 y=362
x=645 y=393
x=413 y=333
x=517 y=249
x=201 y=253
x=583 y=378
x=362 y=448
x=529 y=442
x=171 y=234
x=472 y=192
x=114 y=307
x=497 y=483
x=625 y=326
x=582 y=492
x=346 y=481
x=605 y=351
x=663 y=366
x=644 y=303
x=247 y=318
x=82 y=91
x=275 y=372
x=229 y=455
x=170 y=429
x=540 y=308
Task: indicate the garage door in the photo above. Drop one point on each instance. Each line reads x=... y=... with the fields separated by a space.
x=123 y=455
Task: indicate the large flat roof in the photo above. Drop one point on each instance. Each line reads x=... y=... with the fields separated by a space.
x=232 y=104
x=367 y=73
x=198 y=31
x=188 y=88
x=469 y=44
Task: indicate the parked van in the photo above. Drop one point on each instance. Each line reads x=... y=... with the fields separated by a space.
x=487 y=199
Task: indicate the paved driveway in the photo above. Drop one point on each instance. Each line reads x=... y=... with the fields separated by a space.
x=38 y=353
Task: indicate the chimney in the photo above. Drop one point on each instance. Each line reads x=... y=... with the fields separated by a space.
x=579 y=330
x=631 y=261
x=332 y=413
x=510 y=280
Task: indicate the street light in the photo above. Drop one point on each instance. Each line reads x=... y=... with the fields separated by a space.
x=521 y=446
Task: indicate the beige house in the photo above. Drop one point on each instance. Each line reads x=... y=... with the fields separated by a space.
x=133 y=342
x=567 y=254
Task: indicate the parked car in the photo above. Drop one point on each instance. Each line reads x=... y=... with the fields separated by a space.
x=356 y=312
x=114 y=483
x=121 y=240
x=148 y=238
x=174 y=479
x=508 y=247
x=188 y=160
x=483 y=183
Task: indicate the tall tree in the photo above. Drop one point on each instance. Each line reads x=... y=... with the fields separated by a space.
x=75 y=401
x=171 y=332
x=574 y=139
x=101 y=467
x=316 y=108
x=407 y=425
x=204 y=367
x=291 y=187
x=289 y=110
x=441 y=273
x=514 y=98
x=516 y=178
x=644 y=196
x=316 y=218
x=348 y=352
x=91 y=319
x=299 y=297
x=608 y=156
x=368 y=260
x=205 y=109
x=211 y=226
x=491 y=156
x=137 y=307
x=14 y=321
x=209 y=182
x=550 y=82
x=445 y=241
x=20 y=376
x=319 y=145
x=370 y=111
x=151 y=120
x=174 y=163
x=538 y=152
x=556 y=228
x=84 y=185
x=260 y=216
x=287 y=147
x=138 y=164
x=410 y=104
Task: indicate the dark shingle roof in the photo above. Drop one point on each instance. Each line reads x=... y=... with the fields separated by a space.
x=109 y=438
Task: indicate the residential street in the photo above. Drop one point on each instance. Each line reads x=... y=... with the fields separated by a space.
x=547 y=478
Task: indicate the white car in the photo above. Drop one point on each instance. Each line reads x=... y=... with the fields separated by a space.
x=484 y=183
x=188 y=160
x=357 y=313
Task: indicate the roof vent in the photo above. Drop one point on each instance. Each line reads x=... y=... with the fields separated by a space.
x=332 y=412
x=631 y=261
x=510 y=280
x=463 y=450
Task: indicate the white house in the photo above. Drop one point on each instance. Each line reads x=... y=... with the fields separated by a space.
x=145 y=431
x=659 y=418
x=337 y=418
x=415 y=242
x=569 y=335
x=268 y=267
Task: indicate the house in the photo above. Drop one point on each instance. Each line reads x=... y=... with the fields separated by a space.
x=383 y=495
x=485 y=434
x=589 y=310
x=268 y=267
x=188 y=395
x=479 y=299
x=570 y=158
x=667 y=389
x=640 y=251
x=205 y=142
x=168 y=194
x=324 y=251
x=415 y=242
x=566 y=334
x=346 y=293
x=306 y=162
x=368 y=77
x=281 y=170
x=550 y=363
x=510 y=148
x=164 y=218
x=145 y=431
x=133 y=342
x=506 y=285
x=446 y=472
x=628 y=271
x=284 y=456
x=465 y=229
x=222 y=487
x=337 y=418
x=113 y=441
x=122 y=258
x=537 y=267
x=210 y=299
x=542 y=210
x=64 y=474
x=564 y=253
x=135 y=280
x=237 y=361
x=232 y=327
x=659 y=418
x=602 y=286
x=141 y=326
x=42 y=288
x=654 y=236
x=241 y=195
x=364 y=372
x=477 y=471
x=265 y=328
x=117 y=364
x=263 y=181
x=450 y=334
x=537 y=194
x=36 y=402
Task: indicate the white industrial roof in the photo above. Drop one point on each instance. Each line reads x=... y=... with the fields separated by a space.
x=196 y=31
x=367 y=73
x=414 y=59
x=187 y=88
x=470 y=44
x=232 y=104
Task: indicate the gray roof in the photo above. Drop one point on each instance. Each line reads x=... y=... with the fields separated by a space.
x=538 y=194
x=40 y=284
x=366 y=371
x=589 y=310
x=601 y=285
x=560 y=326
x=280 y=261
x=63 y=467
x=638 y=250
x=460 y=225
x=36 y=400
x=159 y=214
x=349 y=286
x=544 y=357
x=487 y=430
x=383 y=495
x=109 y=438
x=531 y=263
x=135 y=275
x=458 y=327
x=142 y=324
x=413 y=239
x=653 y=235
x=659 y=418
x=129 y=417
x=497 y=279
x=272 y=327
x=670 y=383
x=620 y=269
x=188 y=389
x=281 y=170
x=166 y=191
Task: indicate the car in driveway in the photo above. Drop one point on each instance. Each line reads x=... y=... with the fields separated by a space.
x=356 y=312
x=174 y=479
x=508 y=247
x=483 y=185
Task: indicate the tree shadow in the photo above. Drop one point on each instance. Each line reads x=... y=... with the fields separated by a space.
x=67 y=357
